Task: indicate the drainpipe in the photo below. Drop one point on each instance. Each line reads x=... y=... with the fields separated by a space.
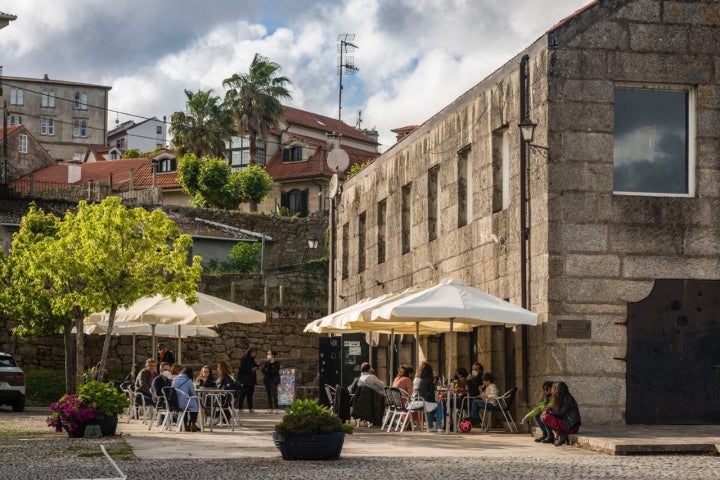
x=524 y=228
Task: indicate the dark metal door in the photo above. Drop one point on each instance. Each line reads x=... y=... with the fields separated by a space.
x=673 y=354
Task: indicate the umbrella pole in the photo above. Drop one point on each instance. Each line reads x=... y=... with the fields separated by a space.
x=154 y=346
x=179 y=347
x=392 y=356
x=133 y=355
x=417 y=344
x=452 y=400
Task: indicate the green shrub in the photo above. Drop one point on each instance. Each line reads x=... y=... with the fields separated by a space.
x=308 y=417
x=104 y=396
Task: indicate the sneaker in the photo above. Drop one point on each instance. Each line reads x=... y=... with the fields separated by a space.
x=252 y=411
x=217 y=421
x=432 y=429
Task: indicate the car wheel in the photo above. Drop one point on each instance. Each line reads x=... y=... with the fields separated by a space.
x=19 y=405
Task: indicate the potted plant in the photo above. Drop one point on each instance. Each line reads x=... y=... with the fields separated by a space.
x=108 y=400
x=72 y=413
x=310 y=431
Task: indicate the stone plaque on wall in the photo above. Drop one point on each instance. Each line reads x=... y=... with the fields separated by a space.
x=573 y=329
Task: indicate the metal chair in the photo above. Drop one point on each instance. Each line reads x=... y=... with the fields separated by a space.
x=504 y=404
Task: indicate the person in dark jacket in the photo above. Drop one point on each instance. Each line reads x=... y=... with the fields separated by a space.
x=164 y=355
x=247 y=378
x=564 y=415
x=271 y=379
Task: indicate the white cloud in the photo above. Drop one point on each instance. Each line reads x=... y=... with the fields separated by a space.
x=414 y=56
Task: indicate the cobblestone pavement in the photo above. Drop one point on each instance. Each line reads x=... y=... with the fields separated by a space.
x=31 y=451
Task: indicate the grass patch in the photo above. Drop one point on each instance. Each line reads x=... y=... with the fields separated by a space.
x=118 y=451
x=47 y=385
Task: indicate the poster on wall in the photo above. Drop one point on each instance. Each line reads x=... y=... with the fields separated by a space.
x=286 y=389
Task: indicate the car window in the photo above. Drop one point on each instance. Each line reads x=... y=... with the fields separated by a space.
x=7 y=361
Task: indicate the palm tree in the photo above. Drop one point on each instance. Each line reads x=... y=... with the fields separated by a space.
x=254 y=99
x=204 y=128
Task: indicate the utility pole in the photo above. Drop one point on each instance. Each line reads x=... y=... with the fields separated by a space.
x=5 y=135
x=346 y=64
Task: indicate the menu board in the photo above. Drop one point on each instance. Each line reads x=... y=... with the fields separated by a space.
x=286 y=389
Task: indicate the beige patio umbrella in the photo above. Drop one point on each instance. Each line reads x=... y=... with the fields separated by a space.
x=145 y=329
x=452 y=302
x=208 y=311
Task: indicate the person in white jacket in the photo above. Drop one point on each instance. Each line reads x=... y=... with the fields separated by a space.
x=488 y=396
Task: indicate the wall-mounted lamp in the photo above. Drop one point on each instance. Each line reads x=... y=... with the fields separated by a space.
x=380 y=284
x=312 y=243
x=527 y=133
x=527 y=130
x=342 y=297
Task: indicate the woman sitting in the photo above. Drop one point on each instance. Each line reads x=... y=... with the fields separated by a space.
x=187 y=398
x=403 y=379
x=205 y=379
x=564 y=415
x=424 y=387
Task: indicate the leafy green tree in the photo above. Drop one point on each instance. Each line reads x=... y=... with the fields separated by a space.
x=101 y=257
x=132 y=153
x=204 y=128
x=212 y=183
x=253 y=99
x=245 y=257
x=255 y=183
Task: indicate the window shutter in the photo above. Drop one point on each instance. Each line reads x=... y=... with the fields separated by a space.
x=304 y=203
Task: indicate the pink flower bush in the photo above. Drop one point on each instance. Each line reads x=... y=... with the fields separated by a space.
x=72 y=413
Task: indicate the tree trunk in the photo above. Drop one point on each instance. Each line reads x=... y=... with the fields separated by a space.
x=70 y=386
x=108 y=336
x=80 y=352
x=253 y=148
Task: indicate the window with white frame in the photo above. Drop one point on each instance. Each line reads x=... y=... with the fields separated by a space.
x=654 y=141
x=48 y=98
x=22 y=143
x=167 y=165
x=47 y=126
x=80 y=100
x=15 y=119
x=16 y=96
x=80 y=128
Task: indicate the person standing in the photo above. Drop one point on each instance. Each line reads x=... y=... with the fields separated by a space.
x=247 y=378
x=165 y=355
x=271 y=379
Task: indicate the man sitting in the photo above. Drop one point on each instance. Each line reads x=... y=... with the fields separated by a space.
x=368 y=379
x=143 y=382
x=487 y=397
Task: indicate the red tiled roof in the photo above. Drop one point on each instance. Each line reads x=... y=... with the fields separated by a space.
x=100 y=172
x=316 y=165
x=573 y=15
x=11 y=129
x=325 y=124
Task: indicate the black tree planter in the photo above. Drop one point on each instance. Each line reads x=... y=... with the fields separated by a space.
x=310 y=447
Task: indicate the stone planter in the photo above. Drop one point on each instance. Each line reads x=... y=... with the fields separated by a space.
x=310 y=447
x=108 y=425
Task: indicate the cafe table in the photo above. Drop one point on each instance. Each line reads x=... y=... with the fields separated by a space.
x=214 y=397
x=452 y=395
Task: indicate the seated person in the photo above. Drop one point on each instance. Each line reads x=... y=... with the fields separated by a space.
x=424 y=387
x=460 y=378
x=474 y=380
x=143 y=383
x=205 y=378
x=160 y=381
x=403 y=379
x=368 y=379
x=563 y=417
x=487 y=397
x=187 y=397
x=544 y=401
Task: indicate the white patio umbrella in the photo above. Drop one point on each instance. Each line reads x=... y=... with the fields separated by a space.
x=356 y=318
x=452 y=301
x=208 y=311
x=145 y=329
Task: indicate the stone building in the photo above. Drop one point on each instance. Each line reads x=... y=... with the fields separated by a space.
x=65 y=117
x=605 y=224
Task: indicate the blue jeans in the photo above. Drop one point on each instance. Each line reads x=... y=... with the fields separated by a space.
x=436 y=416
x=547 y=431
x=475 y=408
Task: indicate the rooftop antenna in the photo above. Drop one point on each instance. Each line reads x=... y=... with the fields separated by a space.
x=346 y=63
x=358 y=124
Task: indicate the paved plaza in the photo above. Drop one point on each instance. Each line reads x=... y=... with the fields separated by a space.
x=368 y=454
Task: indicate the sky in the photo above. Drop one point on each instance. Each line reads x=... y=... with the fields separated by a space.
x=413 y=57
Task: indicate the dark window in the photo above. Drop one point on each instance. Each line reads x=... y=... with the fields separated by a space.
x=653 y=141
x=361 y=242
x=292 y=154
x=463 y=188
x=345 y=249
x=296 y=201
x=239 y=152
x=432 y=204
x=500 y=170
x=381 y=213
x=406 y=219
x=167 y=165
